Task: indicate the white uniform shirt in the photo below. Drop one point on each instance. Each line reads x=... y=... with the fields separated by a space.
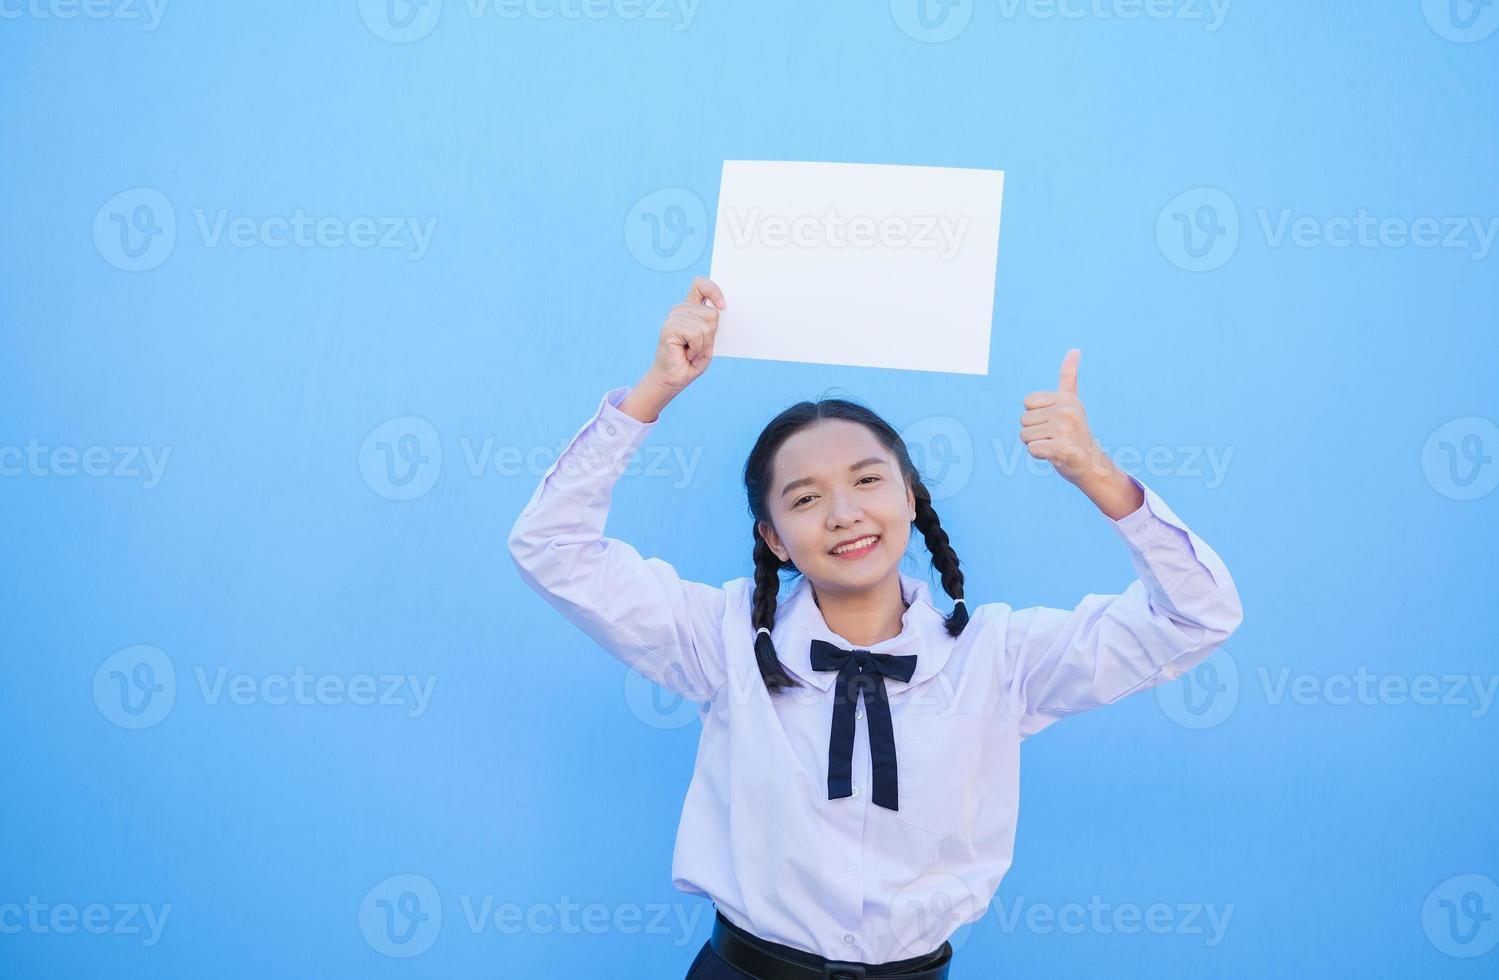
x=845 y=878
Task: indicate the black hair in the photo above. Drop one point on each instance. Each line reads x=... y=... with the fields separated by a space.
x=757 y=476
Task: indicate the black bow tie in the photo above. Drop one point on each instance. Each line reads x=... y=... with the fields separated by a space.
x=862 y=672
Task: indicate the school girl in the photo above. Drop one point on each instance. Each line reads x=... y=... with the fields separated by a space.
x=856 y=788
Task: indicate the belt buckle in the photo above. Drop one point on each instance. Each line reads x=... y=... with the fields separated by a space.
x=842 y=970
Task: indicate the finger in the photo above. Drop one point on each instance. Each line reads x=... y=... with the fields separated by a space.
x=1042 y=448
x=702 y=353
x=1068 y=380
x=1036 y=416
x=1040 y=399
x=1037 y=433
x=704 y=288
x=701 y=313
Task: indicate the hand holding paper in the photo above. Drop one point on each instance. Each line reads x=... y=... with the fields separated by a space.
x=684 y=350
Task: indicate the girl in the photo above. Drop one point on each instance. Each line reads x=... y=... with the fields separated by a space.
x=856 y=786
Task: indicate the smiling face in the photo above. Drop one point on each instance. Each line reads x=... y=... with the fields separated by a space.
x=834 y=482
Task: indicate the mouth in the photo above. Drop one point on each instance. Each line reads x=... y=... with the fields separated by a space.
x=860 y=548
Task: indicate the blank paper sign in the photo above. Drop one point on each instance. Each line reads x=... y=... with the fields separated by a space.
x=869 y=265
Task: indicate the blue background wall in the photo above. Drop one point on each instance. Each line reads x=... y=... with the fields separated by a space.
x=1296 y=784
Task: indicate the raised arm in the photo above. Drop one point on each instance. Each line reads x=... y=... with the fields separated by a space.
x=1182 y=606
x=638 y=609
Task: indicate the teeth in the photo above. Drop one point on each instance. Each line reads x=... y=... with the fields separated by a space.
x=861 y=543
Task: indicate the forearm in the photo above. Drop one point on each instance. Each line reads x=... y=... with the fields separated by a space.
x=1111 y=489
x=646 y=399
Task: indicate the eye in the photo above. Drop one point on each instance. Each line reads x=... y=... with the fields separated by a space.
x=809 y=496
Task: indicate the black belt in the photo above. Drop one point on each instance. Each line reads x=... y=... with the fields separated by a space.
x=765 y=960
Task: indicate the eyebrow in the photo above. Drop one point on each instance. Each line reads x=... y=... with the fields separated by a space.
x=870 y=461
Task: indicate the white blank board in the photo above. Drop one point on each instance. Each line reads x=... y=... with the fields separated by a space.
x=867 y=265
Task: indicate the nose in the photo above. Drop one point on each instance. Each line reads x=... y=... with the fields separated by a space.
x=843 y=512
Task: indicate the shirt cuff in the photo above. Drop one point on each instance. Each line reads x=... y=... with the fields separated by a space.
x=610 y=412
x=598 y=452
x=611 y=437
x=1153 y=524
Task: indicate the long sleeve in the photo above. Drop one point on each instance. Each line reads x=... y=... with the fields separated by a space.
x=638 y=609
x=1181 y=608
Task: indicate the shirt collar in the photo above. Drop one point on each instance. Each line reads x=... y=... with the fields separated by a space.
x=923 y=633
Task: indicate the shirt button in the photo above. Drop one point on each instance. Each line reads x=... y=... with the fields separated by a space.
x=859 y=713
x=849 y=866
x=848 y=939
x=856 y=789
x=609 y=428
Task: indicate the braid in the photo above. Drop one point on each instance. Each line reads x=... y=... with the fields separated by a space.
x=944 y=558
x=763 y=614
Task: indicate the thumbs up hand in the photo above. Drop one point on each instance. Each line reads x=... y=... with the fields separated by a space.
x=1055 y=428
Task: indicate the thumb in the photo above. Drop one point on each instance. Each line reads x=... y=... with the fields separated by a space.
x=1068 y=380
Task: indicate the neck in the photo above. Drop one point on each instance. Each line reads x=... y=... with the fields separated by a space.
x=863 y=617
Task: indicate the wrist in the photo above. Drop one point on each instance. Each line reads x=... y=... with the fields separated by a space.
x=1112 y=491
x=646 y=399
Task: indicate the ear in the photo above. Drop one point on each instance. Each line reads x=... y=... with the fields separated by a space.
x=773 y=540
x=911 y=502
